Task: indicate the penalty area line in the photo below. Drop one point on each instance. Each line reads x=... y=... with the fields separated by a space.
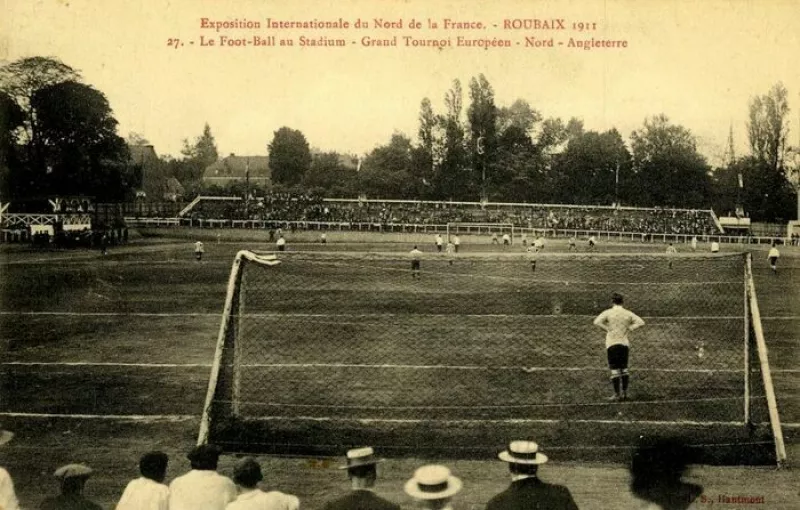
x=510 y=421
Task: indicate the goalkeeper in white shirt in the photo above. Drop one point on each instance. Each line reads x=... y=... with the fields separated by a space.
x=617 y=322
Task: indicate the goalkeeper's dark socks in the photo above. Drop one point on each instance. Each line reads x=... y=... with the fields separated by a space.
x=615 y=382
x=624 y=383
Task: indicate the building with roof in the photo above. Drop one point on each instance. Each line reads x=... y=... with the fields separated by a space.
x=235 y=168
x=155 y=185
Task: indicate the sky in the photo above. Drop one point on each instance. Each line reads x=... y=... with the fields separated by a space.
x=697 y=62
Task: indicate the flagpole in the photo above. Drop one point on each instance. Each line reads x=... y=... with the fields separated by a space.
x=247 y=189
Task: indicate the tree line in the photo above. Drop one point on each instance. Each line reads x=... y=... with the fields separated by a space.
x=59 y=135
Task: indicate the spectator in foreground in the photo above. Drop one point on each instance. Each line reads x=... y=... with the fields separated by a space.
x=527 y=491
x=202 y=487
x=656 y=472
x=73 y=478
x=434 y=486
x=362 y=470
x=246 y=475
x=8 y=498
x=147 y=492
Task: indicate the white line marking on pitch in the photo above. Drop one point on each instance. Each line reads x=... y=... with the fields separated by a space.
x=356 y=315
x=365 y=365
x=118 y=417
x=510 y=421
x=103 y=364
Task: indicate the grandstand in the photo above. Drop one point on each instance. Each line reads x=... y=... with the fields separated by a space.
x=310 y=211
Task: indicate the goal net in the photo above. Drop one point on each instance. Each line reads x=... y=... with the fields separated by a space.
x=318 y=352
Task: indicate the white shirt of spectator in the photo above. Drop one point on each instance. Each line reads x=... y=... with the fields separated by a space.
x=281 y=241
x=8 y=498
x=714 y=247
x=201 y=490
x=260 y=500
x=439 y=240
x=773 y=252
x=618 y=322
x=144 y=494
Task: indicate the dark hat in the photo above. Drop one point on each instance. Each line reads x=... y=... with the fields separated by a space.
x=73 y=471
x=247 y=472
x=358 y=457
x=205 y=453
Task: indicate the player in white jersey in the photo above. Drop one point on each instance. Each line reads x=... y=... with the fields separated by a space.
x=671 y=251
x=617 y=322
x=450 y=251
x=773 y=256
x=416 y=255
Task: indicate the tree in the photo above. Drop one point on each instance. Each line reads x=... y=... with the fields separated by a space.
x=482 y=118
x=11 y=119
x=768 y=127
x=328 y=176
x=422 y=168
x=20 y=80
x=520 y=115
x=289 y=156
x=668 y=170
x=80 y=149
x=386 y=171
x=586 y=172
x=453 y=179
x=205 y=148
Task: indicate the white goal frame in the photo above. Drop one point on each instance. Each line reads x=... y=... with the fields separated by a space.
x=239 y=261
x=481 y=229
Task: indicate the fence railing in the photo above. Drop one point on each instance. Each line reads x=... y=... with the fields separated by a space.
x=425 y=228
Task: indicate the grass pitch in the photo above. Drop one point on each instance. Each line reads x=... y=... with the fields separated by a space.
x=89 y=338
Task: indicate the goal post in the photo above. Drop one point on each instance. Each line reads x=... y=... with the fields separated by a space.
x=763 y=360
x=227 y=354
x=482 y=230
x=321 y=351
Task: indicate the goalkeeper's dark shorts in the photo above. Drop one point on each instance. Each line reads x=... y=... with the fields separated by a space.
x=618 y=357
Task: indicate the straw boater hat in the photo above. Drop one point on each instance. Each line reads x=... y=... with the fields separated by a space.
x=73 y=471
x=5 y=435
x=523 y=452
x=358 y=457
x=432 y=482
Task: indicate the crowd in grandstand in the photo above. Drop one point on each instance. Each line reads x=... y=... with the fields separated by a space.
x=656 y=473
x=288 y=207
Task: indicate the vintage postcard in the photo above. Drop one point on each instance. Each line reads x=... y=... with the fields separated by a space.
x=418 y=249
